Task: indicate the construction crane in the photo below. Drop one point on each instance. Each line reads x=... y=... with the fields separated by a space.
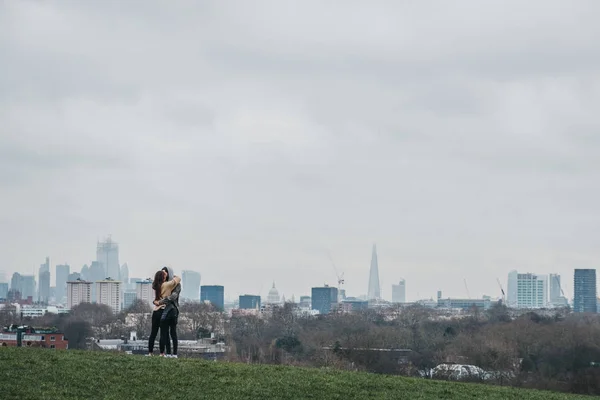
x=340 y=278
x=467 y=289
x=502 y=290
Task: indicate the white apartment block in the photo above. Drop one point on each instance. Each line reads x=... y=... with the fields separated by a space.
x=78 y=292
x=144 y=292
x=532 y=291
x=109 y=292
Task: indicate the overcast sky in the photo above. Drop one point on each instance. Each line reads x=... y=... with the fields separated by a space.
x=246 y=139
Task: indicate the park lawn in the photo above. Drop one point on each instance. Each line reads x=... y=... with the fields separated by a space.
x=59 y=374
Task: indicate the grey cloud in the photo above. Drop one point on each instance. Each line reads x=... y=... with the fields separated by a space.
x=232 y=137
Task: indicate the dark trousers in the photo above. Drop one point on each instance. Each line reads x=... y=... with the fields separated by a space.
x=168 y=326
x=156 y=323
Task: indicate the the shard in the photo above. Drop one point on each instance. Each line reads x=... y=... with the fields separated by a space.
x=374 y=292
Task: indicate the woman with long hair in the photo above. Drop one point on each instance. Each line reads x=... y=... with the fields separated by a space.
x=159 y=279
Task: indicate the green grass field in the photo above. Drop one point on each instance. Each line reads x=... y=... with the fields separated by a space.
x=46 y=374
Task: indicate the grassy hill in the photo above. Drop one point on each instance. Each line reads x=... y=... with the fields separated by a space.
x=46 y=374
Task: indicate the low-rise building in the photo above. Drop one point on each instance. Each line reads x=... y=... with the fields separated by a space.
x=350 y=304
x=35 y=311
x=27 y=336
x=210 y=348
x=465 y=304
x=249 y=302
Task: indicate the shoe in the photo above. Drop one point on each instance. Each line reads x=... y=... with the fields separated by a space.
x=174 y=356
x=149 y=355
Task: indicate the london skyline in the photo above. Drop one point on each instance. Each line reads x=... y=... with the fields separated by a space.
x=235 y=142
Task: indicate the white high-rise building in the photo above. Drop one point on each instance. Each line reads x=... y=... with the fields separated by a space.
x=144 y=291
x=399 y=292
x=78 y=292
x=109 y=292
x=532 y=291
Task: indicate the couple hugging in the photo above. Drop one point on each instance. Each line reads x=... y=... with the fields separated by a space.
x=166 y=287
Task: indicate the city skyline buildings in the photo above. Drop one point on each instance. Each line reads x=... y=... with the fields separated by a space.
x=44 y=281
x=107 y=253
x=553 y=284
x=78 y=291
x=144 y=291
x=110 y=293
x=62 y=276
x=190 y=286
x=585 y=291
x=516 y=190
x=374 y=290
x=213 y=294
x=399 y=292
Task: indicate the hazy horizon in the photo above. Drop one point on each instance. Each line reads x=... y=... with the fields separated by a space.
x=246 y=140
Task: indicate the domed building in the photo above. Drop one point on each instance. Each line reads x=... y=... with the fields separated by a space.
x=273 y=297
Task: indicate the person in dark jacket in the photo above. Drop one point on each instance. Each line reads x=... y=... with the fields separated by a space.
x=170 y=315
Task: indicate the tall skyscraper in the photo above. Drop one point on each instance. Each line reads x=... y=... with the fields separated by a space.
x=214 y=294
x=15 y=283
x=249 y=302
x=62 y=276
x=44 y=282
x=190 y=285
x=24 y=285
x=144 y=291
x=78 y=292
x=107 y=253
x=585 y=300
x=27 y=286
x=399 y=292
x=324 y=299
x=532 y=291
x=3 y=290
x=109 y=292
x=374 y=292
x=85 y=272
x=125 y=274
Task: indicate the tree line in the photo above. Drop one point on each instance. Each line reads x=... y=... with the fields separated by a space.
x=559 y=352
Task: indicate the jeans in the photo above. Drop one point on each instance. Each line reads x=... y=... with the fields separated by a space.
x=156 y=323
x=168 y=326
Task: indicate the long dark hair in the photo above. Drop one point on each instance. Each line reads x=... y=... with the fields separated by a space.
x=159 y=279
